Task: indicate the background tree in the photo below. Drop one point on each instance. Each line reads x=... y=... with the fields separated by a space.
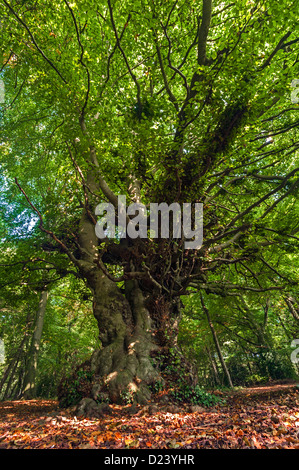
x=161 y=102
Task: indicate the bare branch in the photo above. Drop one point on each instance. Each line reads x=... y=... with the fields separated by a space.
x=172 y=98
x=277 y=48
x=34 y=41
x=223 y=288
x=113 y=51
x=43 y=229
x=7 y=61
x=172 y=67
x=123 y=53
x=290 y=191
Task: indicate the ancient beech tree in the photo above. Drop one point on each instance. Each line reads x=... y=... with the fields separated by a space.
x=159 y=101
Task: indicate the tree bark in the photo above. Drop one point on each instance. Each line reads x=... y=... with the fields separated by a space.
x=30 y=375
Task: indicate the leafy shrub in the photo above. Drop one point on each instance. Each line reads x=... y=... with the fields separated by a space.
x=46 y=386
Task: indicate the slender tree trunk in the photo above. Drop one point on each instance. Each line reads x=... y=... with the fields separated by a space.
x=30 y=375
x=9 y=372
x=266 y=312
x=123 y=364
x=217 y=345
x=16 y=391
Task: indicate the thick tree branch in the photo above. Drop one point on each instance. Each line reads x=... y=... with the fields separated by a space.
x=94 y=161
x=85 y=185
x=222 y=246
x=204 y=31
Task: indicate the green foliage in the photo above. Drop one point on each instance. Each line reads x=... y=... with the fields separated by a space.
x=277 y=365
x=256 y=379
x=127 y=397
x=238 y=370
x=219 y=129
x=69 y=332
x=157 y=386
x=195 y=395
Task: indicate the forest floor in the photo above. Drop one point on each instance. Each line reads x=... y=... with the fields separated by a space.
x=263 y=417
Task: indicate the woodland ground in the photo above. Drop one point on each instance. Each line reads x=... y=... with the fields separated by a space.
x=263 y=417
